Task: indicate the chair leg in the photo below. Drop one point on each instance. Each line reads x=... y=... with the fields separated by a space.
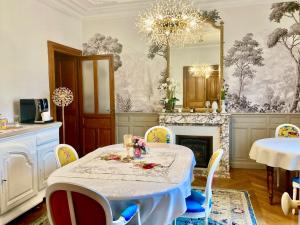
x=139 y=217
x=294 y=198
x=206 y=220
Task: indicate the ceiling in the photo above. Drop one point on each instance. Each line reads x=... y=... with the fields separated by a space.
x=90 y=8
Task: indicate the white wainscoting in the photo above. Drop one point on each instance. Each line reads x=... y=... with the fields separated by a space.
x=245 y=129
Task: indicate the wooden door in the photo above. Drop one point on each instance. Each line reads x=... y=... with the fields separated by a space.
x=213 y=85
x=194 y=90
x=97 y=104
x=66 y=75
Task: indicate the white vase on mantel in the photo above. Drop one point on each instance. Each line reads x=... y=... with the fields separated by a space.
x=223 y=106
x=214 y=107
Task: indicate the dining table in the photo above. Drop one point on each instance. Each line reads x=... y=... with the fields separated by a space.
x=158 y=181
x=281 y=153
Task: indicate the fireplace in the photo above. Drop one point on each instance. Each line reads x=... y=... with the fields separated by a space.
x=202 y=146
x=213 y=125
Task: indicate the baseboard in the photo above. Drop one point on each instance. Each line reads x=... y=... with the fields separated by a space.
x=246 y=164
x=20 y=209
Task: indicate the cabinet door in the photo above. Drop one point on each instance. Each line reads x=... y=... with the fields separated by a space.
x=19 y=181
x=46 y=162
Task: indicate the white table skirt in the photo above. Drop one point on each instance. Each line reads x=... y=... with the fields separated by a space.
x=277 y=152
x=161 y=200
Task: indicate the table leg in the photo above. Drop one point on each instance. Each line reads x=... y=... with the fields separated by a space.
x=288 y=184
x=270 y=183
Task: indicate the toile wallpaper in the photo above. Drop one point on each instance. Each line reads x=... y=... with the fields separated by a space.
x=262 y=68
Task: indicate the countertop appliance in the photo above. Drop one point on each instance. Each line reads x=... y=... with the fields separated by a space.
x=31 y=109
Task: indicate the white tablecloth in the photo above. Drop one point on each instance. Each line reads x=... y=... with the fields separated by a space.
x=161 y=191
x=277 y=152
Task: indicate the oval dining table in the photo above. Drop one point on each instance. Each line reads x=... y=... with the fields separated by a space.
x=277 y=153
x=160 y=191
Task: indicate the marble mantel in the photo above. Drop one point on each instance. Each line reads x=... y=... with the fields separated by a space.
x=204 y=119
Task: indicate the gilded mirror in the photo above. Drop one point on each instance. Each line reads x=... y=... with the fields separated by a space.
x=198 y=68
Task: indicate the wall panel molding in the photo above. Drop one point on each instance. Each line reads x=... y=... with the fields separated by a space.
x=245 y=129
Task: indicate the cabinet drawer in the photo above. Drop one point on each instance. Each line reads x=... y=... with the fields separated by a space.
x=47 y=136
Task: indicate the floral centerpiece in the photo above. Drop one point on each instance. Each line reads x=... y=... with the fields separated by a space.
x=169 y=89
x=139 y=146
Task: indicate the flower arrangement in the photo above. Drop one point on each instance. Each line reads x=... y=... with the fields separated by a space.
x=139 y=142
x=139 y=146
x=169 y=89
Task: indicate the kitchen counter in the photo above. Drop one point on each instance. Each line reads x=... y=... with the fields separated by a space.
x=26 y=128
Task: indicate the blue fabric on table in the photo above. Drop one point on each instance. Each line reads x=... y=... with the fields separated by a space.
x=296 y=180
x=129 y=212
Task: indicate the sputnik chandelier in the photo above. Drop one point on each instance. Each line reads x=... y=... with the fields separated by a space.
x=171 y=22
x=203 y=70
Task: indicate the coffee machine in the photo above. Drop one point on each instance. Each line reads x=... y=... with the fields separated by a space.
x=31 y=109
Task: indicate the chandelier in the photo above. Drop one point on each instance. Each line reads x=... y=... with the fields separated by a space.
x=203 y=70
x=172 y=22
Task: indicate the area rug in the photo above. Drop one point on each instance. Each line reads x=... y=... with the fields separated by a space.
x=230 y=207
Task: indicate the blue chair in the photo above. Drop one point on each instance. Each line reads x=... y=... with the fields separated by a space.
x=199 y=204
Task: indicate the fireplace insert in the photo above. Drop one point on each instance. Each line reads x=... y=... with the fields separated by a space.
x=202 y=146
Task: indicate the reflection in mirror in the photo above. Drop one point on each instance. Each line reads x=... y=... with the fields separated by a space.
x=197 y=68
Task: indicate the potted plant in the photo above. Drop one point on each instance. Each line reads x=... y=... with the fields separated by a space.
x=169 y=89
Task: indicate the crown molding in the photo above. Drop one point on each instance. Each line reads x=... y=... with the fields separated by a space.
x=93 y=9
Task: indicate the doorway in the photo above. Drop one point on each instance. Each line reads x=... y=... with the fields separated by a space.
x=90 y=118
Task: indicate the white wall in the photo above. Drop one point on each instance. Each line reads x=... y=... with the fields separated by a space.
x=25 y=27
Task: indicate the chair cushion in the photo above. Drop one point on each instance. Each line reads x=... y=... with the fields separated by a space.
x=129 y=212
x=197 y=196
x=296 y=180
x=288 y=131
x=193 y=206
x=158 y=135
x=195 y=201
x=66 y=156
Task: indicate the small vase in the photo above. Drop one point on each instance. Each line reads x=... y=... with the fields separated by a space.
x=137 y=152
x=223 y=106
x=214 y=107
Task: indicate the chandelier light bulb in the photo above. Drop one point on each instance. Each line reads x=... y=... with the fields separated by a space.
x=171 y=22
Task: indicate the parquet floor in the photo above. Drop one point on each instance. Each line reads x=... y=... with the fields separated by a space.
x=254 y=181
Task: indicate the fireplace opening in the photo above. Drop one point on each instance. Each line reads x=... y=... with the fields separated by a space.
x=202 y=146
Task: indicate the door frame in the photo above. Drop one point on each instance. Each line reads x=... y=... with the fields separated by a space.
x=52 y=48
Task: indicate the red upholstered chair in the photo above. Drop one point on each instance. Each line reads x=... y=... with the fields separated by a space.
x=70 y=204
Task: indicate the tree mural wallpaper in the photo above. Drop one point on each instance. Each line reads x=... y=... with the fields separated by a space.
x=264 y=77
x=101 y=44
x=244 y=55
x=289 y=38
x=262 y=65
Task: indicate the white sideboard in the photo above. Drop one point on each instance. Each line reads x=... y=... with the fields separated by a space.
x=26 y=160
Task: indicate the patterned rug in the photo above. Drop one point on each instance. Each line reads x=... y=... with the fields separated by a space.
x=230 y=207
